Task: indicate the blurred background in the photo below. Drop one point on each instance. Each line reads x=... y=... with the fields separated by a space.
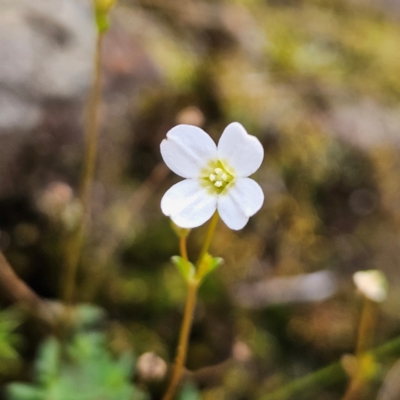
x=318 y=82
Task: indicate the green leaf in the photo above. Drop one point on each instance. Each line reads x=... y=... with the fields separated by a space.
x=21 y=391
x=186 y=268
x=189 y=392
x=86 y=370
x=207 y=265
x=87 y=345
x=9 y=320
x=47 y=363
x=87 y=315
x=215 y=263
x=126 y=364
x=138 y=394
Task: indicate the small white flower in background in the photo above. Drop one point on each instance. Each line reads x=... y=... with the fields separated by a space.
x=216 y=177
x=372 y=284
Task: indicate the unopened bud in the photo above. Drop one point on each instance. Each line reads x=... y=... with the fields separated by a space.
x=104 y=5
x=372 y=284
x=151 y=367
x=102 y=8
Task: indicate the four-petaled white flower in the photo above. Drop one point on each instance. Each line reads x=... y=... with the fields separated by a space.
x=216 y=177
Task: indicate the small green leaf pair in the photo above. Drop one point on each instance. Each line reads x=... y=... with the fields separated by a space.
x=188 y=270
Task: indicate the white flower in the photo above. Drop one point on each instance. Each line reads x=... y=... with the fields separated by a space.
x=217 y=177
x=372 y=284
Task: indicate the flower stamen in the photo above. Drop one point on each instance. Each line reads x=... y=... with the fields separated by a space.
x=217 y=177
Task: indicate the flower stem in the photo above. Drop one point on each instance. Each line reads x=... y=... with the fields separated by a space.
x=366 y=327
x=92 y=131
x=182 y=248
x=183 y=339
x=75 y=245
x=209 y=236
x=329 y=376
x=365 y=337
x=193 y=285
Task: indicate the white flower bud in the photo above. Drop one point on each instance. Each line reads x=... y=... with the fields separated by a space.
x=372 y=284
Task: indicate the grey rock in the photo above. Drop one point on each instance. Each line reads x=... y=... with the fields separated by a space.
x=364 y=124
x=46 y=53
x=46 y=49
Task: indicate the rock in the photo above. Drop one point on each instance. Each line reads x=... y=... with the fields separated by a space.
x=390 y=7
x=46 y=48
x=364 y=124
x=46 y=52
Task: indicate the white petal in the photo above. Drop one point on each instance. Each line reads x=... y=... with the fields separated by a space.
x=187 y=149
x=188 y=204
x=240 y=202
x=240 y=151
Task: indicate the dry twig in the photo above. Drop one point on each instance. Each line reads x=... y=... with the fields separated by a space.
x=19 y=292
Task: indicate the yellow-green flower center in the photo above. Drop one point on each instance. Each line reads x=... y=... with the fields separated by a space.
x=216 y=177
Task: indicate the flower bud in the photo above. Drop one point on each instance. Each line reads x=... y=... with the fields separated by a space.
x=104 y=5
x=372 y=284
x=102 y=8
x=151 y=367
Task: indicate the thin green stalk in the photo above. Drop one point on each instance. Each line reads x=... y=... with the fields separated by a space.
x=366 y=326
x=328 y=376
x=92 y=131
x=183 y=249
x=364 y=341
x=207 y=240
x=75 y=245
x=181 y=353
x=193 y=285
